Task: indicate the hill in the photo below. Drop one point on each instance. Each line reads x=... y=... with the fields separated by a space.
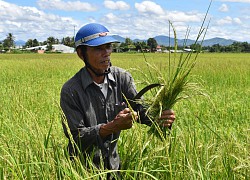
x=165 y=40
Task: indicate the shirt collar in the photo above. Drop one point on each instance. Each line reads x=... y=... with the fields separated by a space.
x=87 y=80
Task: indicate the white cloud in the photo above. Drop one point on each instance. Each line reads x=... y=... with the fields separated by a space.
x=149 y=20
x=29 y=22
x=228 y=21
x=144 y=26
x=119 y=5
x=184 y=17
x=223 y=8
x=66 y=5
x=237 y=20
x=149 y=7
x=224 y=21
x=111 y=18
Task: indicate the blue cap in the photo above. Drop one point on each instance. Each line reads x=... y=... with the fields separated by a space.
x=93 y=34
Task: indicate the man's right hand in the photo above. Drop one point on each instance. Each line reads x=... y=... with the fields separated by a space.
x=123 y=120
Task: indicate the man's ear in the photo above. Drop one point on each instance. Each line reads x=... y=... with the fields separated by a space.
x=79 y=53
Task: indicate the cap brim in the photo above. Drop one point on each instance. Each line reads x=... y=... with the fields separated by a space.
x=100 y=41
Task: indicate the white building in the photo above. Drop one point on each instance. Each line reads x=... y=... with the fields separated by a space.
x=44 y=47
x=62 y=48
x=55 y=48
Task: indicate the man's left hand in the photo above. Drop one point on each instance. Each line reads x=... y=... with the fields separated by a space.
x=167 y=118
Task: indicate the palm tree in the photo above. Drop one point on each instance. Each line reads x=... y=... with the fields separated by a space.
x=9 y=42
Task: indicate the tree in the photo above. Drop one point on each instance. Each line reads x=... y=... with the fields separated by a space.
x=128 y=41
x=1 y=46
x=152 y=43
x=140 y=46
x=246 y=47
x=68 y=41
x=196 y=47
x=127 y=45
x=35 y=42
x=9 y=42
x=32 y=43
x=215 y=48
x=29 y=43
x=50 y=41
x=237 y=46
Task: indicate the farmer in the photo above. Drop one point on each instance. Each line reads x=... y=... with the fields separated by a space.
x=93 y=100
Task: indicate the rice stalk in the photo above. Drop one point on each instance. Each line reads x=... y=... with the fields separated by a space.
x=176 y=84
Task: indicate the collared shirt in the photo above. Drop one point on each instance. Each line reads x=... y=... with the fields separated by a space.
x=86 y=109
x=103 y=86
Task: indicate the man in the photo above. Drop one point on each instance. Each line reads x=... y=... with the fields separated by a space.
x=93 y=100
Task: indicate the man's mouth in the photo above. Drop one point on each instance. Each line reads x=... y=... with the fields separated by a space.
x=105 y=61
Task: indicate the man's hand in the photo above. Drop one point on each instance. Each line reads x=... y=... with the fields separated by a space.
x=167 y=118
x=123 y=120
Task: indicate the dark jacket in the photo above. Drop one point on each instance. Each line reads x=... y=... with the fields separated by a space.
x=86 y=109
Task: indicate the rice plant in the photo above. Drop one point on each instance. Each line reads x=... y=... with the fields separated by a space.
x=175 y=82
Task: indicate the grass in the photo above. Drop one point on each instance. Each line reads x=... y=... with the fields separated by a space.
x=208 y=140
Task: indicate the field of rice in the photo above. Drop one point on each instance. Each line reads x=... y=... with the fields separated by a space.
x=210 y=138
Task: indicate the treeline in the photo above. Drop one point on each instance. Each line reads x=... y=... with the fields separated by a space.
x=150 y=45
x=8 y=44
x=235 y=47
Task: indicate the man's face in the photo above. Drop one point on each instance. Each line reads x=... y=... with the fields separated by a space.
x=99 y=57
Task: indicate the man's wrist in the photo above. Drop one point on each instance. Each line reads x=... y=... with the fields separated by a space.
x=109 y=128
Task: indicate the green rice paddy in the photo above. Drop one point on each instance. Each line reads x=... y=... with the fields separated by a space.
x=210 y=138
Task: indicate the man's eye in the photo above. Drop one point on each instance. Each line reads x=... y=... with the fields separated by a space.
x=109 y=46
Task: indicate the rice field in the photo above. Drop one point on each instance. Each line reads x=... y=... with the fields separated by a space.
x=210 y=138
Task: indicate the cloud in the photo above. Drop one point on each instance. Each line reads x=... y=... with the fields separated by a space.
x=228 y=21
x=184 y=16
x=29 y=22
x=144 y=26
x=224 y=21
x=111 y=18
x=66 y=5
x=237 y=20
x=223 y=8
x=119 y=5
x=145 y=22
x=149 y=7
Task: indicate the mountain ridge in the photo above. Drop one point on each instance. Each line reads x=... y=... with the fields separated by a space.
x=166 y=41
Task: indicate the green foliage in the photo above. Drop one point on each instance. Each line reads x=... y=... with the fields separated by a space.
x=207 y=141
x=8 y=42
x=152 y=43
x=32 y=43
x=235 y=47
x=175 y=85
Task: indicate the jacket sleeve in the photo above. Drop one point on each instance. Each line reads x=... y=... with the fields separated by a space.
x=73 y=123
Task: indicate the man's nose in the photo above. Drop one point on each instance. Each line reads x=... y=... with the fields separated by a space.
x=108 y=50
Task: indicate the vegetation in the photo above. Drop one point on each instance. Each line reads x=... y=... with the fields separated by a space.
x=235 y=47
x=209 y=140
x=8 y=42
x=150 y=45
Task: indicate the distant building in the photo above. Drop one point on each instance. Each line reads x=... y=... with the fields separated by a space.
x=62 y=48
x=188 y=50
x=35 y=48
x=55 y=48
x=176 y=51
x=158 y=48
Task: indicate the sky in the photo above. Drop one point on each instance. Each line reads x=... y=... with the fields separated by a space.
x=134 y=19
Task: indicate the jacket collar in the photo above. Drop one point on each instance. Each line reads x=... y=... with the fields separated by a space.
x=87 y=79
